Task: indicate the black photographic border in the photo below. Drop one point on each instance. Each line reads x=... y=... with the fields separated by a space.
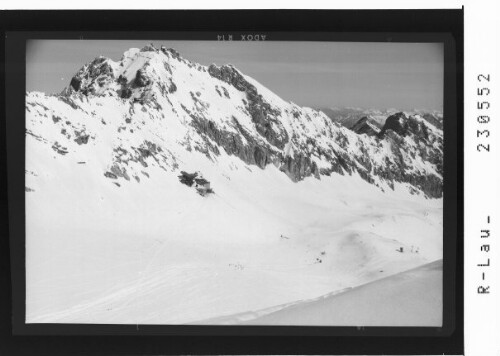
x=444 y=26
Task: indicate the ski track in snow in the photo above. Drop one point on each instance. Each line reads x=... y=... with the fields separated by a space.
x=161 y=287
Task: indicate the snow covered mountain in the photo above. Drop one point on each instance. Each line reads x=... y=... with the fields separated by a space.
x=348 y=116
x=162 y=191
x=164 y=106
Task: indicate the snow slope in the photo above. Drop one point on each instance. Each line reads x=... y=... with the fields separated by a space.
x=112 y=236
x=386 y=302
x=139 y=259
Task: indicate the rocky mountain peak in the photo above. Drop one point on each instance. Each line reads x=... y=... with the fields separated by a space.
x=91 y=76
x=149 y=48
x=138 y=74
x=411 y=125
x=397 y=122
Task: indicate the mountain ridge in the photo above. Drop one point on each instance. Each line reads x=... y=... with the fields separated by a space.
x=218 y=108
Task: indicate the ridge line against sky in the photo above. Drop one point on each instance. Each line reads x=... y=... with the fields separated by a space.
x=315 y=74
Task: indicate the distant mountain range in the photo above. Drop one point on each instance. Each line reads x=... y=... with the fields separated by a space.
x=348 y=116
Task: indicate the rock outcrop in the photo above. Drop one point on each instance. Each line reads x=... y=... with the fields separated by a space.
x=364 y=126
x=263 y=115
x=397 y=123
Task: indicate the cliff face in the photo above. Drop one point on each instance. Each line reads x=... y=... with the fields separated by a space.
x=155 y=108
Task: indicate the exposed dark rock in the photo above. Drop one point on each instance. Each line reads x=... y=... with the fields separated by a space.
x=119 y=171
x=91 y=75
x=362 y=126
x=261 y=112
x=255 y=153
x=299 y=167
x=59 y=149
x=397 y=123
x=187 y=178
x=125 y=93
x=173 y=53
x=75 y=83
x=70 y=102
x=195 y=180
x=149 y=48
x=148 y=149
x=228 y=74
x=201 y=181
x=122 y=80
x=110 y=175
x=260 y=157
x=81 y=138
x=167 y=67
x=141 y=79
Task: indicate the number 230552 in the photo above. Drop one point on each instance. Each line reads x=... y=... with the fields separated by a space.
x=483 y=117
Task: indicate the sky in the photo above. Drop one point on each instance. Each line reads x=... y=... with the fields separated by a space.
x=315 y=74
